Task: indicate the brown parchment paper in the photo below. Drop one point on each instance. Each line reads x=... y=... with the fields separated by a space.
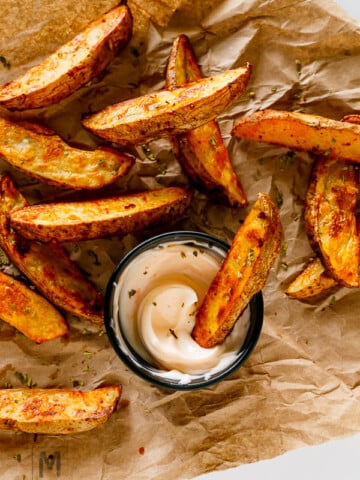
x=300 y=386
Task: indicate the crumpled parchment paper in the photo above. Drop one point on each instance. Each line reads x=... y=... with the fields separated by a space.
x=300 y=386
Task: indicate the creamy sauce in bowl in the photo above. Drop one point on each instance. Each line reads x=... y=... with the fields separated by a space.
x=155 y=300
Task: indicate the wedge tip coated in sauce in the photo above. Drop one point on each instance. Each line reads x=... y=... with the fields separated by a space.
x=167 y=112
x=72 y=65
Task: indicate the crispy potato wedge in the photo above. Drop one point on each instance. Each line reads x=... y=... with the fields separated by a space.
x=300 y=131
x=72 y=65
x=47 y=266
x=312 y=282
x=29 y=312
x=84 y=220
x=166 y=112
x=56 y=411
x=201 y=152
x=43 y=155
x=243 y=273
x=330 y=219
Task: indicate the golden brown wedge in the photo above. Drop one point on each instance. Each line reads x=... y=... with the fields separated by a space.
x=312 y=282
x=165 y=112
x=43 y=155
x=300 y=131
x=330 y=218
x=47 y=266
x=56 y=411
x=72 y=65
x=84 y=220
x=243 y=273
x=29 y=312
x=201 y=151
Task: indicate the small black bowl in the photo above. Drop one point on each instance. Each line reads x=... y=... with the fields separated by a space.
x=141 y=366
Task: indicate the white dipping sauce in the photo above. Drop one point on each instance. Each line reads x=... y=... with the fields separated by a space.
x=156 y=299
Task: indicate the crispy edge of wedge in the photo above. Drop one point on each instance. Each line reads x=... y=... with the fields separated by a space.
x=169 y=112
x=30 y=313
x=201 y=152
x=49 y=82
x=330 y=219
x=301 y=131
x=101 y=217
x=47 y=266
x=312 y=283
x=243 y=273
x=56 y=411
x=40 y=153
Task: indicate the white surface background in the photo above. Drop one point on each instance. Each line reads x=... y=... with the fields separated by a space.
x=334 y=460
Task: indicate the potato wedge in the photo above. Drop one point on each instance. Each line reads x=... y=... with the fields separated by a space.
x=164 y=112
x=330 y=219
x=29 y=312
x=201 y=152
x=72 y=65
x=312 y=282
x=84 y=220
x=300 y=131
x=47 y=266
x=243 y=273
x=56 y=411
x=43 y=155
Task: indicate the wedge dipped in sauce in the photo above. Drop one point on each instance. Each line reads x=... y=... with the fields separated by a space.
x=243 y=273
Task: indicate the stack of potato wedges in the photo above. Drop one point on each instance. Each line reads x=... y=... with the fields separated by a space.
x=31 y=235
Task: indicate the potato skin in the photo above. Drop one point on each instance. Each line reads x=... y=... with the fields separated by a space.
x=72 y=65
x=201 y=152
x=29 y=312
x=47 y=266
x=330 y=218
x=84 y=220
x=139 y=120
x=40 y=153
x=243 y=273
x=313 y=282
x=56 y=411
x=300 y=131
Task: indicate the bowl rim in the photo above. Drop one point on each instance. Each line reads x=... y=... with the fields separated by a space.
x=256 y=305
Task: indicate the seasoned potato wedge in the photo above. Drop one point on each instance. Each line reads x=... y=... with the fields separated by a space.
x=29 y=312
x=166 y=112
x=201 y=151
x=47 y=266
x=243 y=273
x=72 y=65
x=84 y=220
x=330 y=219
x=43 y=155
x=300 y=131
x=56 y=411
x=312 y=282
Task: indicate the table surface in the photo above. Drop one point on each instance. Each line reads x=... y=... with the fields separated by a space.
x=330 y=461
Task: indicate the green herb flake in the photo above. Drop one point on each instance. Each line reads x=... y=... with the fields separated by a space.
x=279 y=198
x=25 y=379
x=131 y=292
x=17 y=457
x=5 y=62
x=333 y=300
x=283 y=250
x=250 y=257
x=298 y=65
x=213 y=142
x=172 y=332
x=284 y=266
